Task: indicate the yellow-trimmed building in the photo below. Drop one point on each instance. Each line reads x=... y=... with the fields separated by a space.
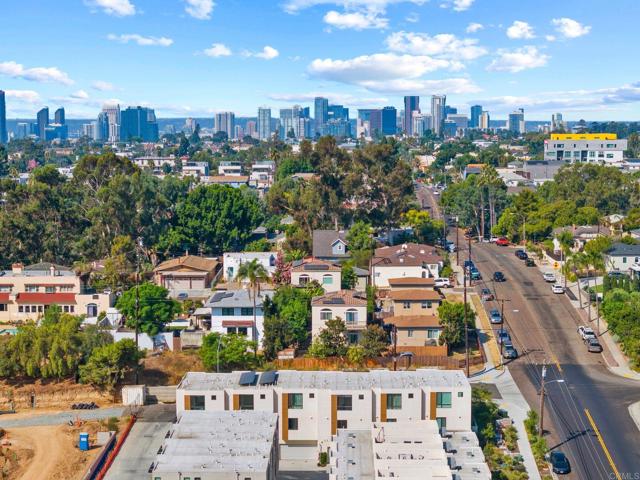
x=604 y=148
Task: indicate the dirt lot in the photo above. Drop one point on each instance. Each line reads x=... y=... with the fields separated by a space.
x=51 y=453
x=168 y=368
x=49 y=395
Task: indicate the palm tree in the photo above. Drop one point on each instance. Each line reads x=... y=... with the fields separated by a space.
x=565 y=239
x=573 y=265
x=255 y=273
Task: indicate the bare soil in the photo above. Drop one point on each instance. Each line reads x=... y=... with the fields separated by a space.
x=169 y=367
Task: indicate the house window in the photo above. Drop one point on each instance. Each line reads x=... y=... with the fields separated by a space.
x=49 y=289
x=433 y=333
x=394 y=401
x=325 y=314
x=342 y=424
x=92 y=310
x=3 y=307
x=460 y=394
x=242 y=331
x=426 y=304
x=406 y=304
x=245 y=402
x=353 y=338
x=31 y=289
x=304 y=279
x=196 y=402
x=327 y=279
x=246 y=311
x=624 y=259
x=312 y=395
x=295 y=401
x=292 y=423
x=228 y=312
x=345 y=402
x=352 y=316
x=5 y=288
x=443 y=399
x=230 y=273
x=40 y=308
x=442 y=422
x=213 y=397
x=410 y=395
x=262 y=396
x=21 y=309
x=66 y=289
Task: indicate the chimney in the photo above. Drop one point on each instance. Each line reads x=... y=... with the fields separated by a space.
x=52 y=271
x=17 y=268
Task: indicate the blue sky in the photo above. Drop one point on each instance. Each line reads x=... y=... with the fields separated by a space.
x=196 y=57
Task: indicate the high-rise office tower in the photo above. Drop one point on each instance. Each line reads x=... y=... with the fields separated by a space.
x=449 y=111
x=485 y=121
x=389 y=121
x=238 y=132
x=226 y=122
x=4 y=138
x=375 y=122
x=42 y=120
x=22 y=130
x=337 y=112
x=59 y=116
x=515 y=122
x=476 y=112
x=190 y=125
x=138 y=122
x=411 y=104
x=264 y=123
x=251 y=129
x=320 y=113
x=438 y=102
x=421 y=123
x=557 y=123
x=112 y=113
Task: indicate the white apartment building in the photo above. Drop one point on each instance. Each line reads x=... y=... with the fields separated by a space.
x=313 y=405
x=232 y=260
x=26 y=292
x=219 y=445
x=262 y=174
x=230 y=168
x=195 y=169
x=406 y=451
x=585 y=147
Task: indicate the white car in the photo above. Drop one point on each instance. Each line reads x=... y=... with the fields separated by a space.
x=557 y=288
x=443 y=282
x=549 y=277
x=586 y=332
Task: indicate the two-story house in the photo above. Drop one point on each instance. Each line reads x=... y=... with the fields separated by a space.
x=327 y=274
x=232 y=260
x=26 y=292
x=330 y=245
x=622 y=257
x=348 y=305
x=232 y=311
x=189 y=276
x=407 y=260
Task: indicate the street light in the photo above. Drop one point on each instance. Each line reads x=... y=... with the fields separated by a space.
x=560 y=380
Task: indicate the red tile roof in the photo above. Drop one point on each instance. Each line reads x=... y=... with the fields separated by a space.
x=4 y=298
x=47 y=298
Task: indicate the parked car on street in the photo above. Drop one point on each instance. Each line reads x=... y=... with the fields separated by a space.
x=502 y=242
x=498 y=277
x=474 y=274
x=559 y=462
x=486 y=295
x=495 y=317
x=529 y=262
x=593 y=345
x=442 y=282
x=557 y=288
x=503 y=336
x=493 y=239
x=521 y=254
x=509 y=351
x=468 y=264
x=549 y=277
x=586 y=332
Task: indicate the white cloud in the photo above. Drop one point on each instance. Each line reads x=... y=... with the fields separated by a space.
x=355 y=20
x=119 y=8
x=294 y=6
x=35 y=74
x=102 y=86
x=340 y=98
x=443 y=45
x=413 y=18
x=520 y=29
x=570 y=28
x=217 y=50
x=267 y=53
x=550 y=38
x=200 y=9
x=518 y=60
x=457 y=5
x=456 y=86
x=80 y=95
x=26 y=96
x=474 y=27
x=141 y=40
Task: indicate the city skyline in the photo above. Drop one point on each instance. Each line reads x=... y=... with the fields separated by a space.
x=186 y=58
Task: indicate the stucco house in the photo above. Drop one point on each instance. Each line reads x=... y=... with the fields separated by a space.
x=327 y=274
x=415 y=330
x=232 y=261
x=349 y=305
x=330 y=245
x=411 y=260
x=190 y=275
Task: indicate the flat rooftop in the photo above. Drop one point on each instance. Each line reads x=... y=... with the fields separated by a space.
x=223 y=441
x=289 y=379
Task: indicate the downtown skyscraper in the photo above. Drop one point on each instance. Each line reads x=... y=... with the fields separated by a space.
x=438 y=103
x=320 y=113
x=4 y=138
x=411 y=105
x=138 y=122
x=42 y=122
x=226 y=122
x=264 y=123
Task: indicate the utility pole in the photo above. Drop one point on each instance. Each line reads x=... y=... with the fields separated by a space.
x=138 y=246
x=457 y=242
x=466 y=326
x=541 y=424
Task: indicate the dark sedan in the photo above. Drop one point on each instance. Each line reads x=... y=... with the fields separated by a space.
x=498 y=277
x=559 y=463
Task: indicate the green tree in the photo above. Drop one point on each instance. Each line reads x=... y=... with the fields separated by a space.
x=228 y=352
x=331 y=341
x=109 y=364
x=374 y=341
x=360 y=243
x=452 y=315
x=149 y=307
x=356 y=355
x=348 y=278
x=254 y=273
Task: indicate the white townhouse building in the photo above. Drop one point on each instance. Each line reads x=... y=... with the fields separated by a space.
x=585 y=147
x=231 y=262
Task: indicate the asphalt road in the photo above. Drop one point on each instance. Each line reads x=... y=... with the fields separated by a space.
x=543 y=327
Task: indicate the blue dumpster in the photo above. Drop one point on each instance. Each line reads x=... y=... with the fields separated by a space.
x=83 y=444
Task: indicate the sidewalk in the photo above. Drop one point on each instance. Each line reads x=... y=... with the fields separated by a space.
x=615 y=360
x=517 y=408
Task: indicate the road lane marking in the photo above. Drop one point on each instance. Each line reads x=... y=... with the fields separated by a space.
x=602 y=444
x=554 y=359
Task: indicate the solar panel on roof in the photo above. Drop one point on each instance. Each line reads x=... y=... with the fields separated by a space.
x=248 y=378
x=268 y=378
